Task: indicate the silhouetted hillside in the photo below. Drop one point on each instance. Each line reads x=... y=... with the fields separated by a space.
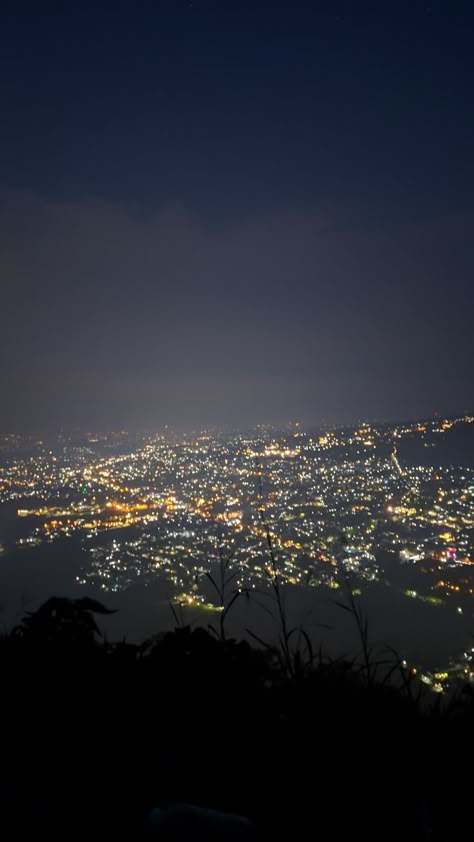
x=95 y=734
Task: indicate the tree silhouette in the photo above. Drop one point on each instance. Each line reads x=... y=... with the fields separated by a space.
x=62 y=622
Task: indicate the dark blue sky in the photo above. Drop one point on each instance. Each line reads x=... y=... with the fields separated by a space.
x=219 y=212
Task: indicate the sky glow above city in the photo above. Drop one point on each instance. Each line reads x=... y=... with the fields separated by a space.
x=229 y=214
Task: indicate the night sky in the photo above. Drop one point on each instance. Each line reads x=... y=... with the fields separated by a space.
x=229 y=213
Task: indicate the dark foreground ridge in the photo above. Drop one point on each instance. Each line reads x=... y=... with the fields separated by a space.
x=112 y=740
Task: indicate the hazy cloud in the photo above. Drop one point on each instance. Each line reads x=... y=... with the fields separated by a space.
x=111 y=316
